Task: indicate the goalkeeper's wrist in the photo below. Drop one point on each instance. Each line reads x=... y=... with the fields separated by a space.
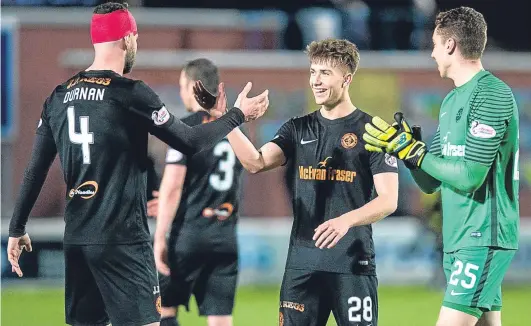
x=419 y=166
x=415 y=155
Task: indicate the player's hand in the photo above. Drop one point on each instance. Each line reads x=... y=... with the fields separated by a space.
x=330 y=232
x=153 y=205
x=254 y=107
x=215 y=105
x=15 y=246
x=160 y=251
x=398 y=140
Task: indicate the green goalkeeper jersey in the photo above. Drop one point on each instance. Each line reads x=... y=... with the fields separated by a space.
x=478 y=122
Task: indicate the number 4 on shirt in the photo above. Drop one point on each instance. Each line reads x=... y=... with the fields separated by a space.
x=83 y=138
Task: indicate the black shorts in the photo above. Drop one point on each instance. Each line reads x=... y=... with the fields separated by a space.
x=111 y=283
x=307 y=297
x=210 y=277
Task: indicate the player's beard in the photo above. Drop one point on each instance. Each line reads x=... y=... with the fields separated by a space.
x=130 y=56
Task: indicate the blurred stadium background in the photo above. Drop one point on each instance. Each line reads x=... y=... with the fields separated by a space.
x=46 y=41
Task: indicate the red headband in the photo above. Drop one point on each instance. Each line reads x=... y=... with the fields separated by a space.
x=112 y=26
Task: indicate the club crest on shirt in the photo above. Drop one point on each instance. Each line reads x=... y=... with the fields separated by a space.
x=349 y=140
x=459 y=114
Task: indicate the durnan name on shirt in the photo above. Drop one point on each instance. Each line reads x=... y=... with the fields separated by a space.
x=85 y=93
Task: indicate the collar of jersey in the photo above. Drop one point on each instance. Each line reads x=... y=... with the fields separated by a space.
x=97 y=72
x=354 y=115
x=472 y=82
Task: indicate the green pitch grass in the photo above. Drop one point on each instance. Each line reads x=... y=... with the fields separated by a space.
x=399 y=306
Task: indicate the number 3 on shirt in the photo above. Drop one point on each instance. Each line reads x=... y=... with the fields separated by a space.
x=83 y=138
x=222 y=181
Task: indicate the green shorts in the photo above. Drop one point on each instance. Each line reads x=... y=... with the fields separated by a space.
x=474 y=278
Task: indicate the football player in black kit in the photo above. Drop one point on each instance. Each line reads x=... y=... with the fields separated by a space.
x=97 y=122
x=198 y=206
x=339 y=190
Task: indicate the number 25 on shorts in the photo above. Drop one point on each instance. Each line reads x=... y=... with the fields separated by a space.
x=468 y=280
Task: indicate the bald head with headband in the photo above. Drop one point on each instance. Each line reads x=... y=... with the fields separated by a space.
x=112 y=22
x=112 y=26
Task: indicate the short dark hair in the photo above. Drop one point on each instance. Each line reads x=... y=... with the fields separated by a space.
x=336 y=52
x=109 y=7
x=467 y=26
x=204 y=70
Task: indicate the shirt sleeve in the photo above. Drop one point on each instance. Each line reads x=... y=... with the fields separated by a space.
x=43 y=127
x=285 y=139
x=491 y=110
x=382 y=162
x=148 y=106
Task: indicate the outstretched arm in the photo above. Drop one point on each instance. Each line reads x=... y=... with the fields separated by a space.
x=268 y=157
x=493 y=111
x=488 y=121
x=464 y=175
x=273 y=154
x=189 y=140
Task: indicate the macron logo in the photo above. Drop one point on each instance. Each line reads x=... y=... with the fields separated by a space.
x=304 y=142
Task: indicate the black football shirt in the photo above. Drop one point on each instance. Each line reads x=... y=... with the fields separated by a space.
x=102 y=147
x=99 y=122
x=333 y=174
x=208 y=212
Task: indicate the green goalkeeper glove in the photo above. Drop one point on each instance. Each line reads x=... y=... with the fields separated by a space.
x=399 y=140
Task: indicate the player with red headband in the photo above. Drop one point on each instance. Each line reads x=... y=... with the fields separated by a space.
x=97 y=122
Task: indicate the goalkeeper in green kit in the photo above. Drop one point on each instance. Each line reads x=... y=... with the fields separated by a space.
x=473 y=161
